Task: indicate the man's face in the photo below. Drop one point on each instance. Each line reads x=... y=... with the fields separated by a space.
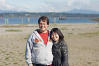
x=43 y=26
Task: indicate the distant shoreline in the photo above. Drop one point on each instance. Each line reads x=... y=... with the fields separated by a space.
x=36 y=25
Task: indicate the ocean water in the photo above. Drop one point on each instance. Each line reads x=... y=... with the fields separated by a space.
x=34 y=20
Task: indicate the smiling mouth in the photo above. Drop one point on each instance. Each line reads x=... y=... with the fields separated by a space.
x=42 y=28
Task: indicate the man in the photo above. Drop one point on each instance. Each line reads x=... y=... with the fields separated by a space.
x=39 y=47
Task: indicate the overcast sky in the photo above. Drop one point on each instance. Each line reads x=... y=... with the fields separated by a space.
x=49 y=5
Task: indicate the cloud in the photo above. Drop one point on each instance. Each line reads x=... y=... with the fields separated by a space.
x=83 y=4
x=4 y=5
x=78 y=4
x=66 y=5
x=2 y=2
x=49 y=5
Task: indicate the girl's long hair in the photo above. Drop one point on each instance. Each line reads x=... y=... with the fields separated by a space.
x=58 y=31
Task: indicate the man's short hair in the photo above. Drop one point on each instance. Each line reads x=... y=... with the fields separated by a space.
x=43 y=18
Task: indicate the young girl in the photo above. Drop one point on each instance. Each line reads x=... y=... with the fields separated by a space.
x=59 y=49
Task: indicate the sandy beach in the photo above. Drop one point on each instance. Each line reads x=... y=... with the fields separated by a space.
x=82 y=40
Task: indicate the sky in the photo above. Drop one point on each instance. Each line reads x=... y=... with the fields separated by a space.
x=49 y=5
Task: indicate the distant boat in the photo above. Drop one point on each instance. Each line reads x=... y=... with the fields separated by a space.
x=62 y=18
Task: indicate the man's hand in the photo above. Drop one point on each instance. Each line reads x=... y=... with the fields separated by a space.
x=30 y=65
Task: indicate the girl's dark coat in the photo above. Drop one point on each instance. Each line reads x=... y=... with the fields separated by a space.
x=60 y=53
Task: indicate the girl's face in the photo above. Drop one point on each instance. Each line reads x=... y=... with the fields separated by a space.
x=55 y=37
